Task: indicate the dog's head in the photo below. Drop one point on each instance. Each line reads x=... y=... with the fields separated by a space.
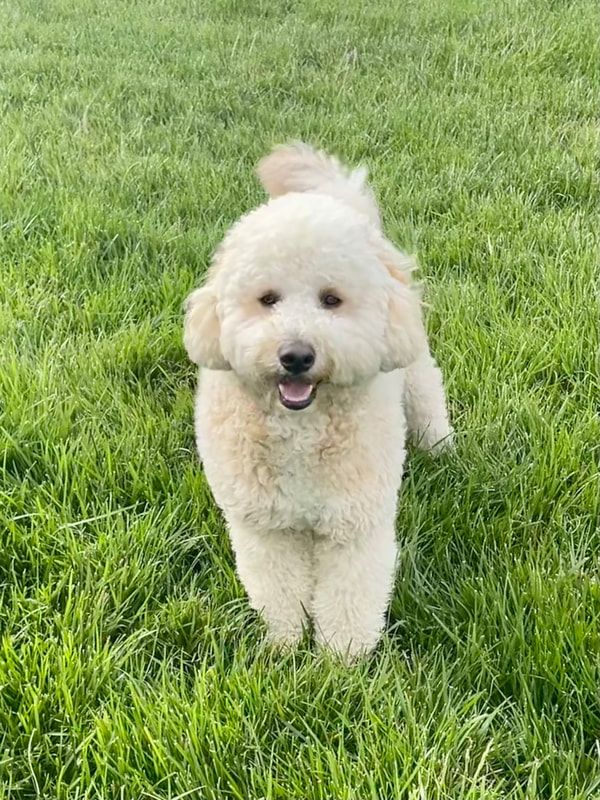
x=305 y=290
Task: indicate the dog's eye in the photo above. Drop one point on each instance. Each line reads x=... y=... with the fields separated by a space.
x=269 y=299
x=329 y=300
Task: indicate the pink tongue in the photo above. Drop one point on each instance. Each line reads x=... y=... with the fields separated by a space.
x=295 y=392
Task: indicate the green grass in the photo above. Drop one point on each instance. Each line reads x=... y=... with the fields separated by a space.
x=130 y=665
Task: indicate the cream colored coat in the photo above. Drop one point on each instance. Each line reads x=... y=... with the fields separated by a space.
x=310 y=496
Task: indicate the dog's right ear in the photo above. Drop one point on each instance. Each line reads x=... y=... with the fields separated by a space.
x=406 y=339
x=202 y=329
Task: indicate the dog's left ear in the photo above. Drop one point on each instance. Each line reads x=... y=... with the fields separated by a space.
x=406 y=339
x=202 y=329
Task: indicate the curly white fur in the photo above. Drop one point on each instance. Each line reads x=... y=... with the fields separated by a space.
x=310 y=495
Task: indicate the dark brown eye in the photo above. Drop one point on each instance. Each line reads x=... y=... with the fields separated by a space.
x=329 y=300
x=269 y=299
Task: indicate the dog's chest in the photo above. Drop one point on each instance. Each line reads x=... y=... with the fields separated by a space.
x=303 y=457
x=286 y=476
x=285 y=470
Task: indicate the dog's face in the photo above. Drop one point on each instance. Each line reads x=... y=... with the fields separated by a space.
x=304 y=291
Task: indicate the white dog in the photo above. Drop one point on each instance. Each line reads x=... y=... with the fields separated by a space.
x=315 y=364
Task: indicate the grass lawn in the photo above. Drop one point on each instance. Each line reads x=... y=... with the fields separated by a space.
x=130 y=664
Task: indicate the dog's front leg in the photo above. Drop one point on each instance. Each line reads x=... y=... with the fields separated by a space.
x=354 y=580
x=276 y=568
x=425 y=405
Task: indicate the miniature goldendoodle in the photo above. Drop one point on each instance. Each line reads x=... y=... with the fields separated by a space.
x=314 y=367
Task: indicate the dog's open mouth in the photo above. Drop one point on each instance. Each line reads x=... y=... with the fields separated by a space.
x=296 y=394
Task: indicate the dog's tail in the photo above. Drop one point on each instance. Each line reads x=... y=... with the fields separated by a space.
x=298 y=168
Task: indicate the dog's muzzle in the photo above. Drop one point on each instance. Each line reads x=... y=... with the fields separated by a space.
x=297 y=391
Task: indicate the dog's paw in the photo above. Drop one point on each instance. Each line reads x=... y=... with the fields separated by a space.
x=285 y=637
x=348 y=648
x=279 y=642
x=436 y=439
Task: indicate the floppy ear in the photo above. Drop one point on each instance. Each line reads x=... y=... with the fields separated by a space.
x=405 y=335
x=202 y=330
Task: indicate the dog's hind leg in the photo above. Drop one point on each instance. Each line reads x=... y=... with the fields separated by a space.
x=425 y=405
x=276 y=569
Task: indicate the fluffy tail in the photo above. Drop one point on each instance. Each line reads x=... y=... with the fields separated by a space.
x=298 y=168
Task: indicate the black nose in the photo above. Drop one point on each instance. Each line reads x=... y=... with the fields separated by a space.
x=297 y=358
